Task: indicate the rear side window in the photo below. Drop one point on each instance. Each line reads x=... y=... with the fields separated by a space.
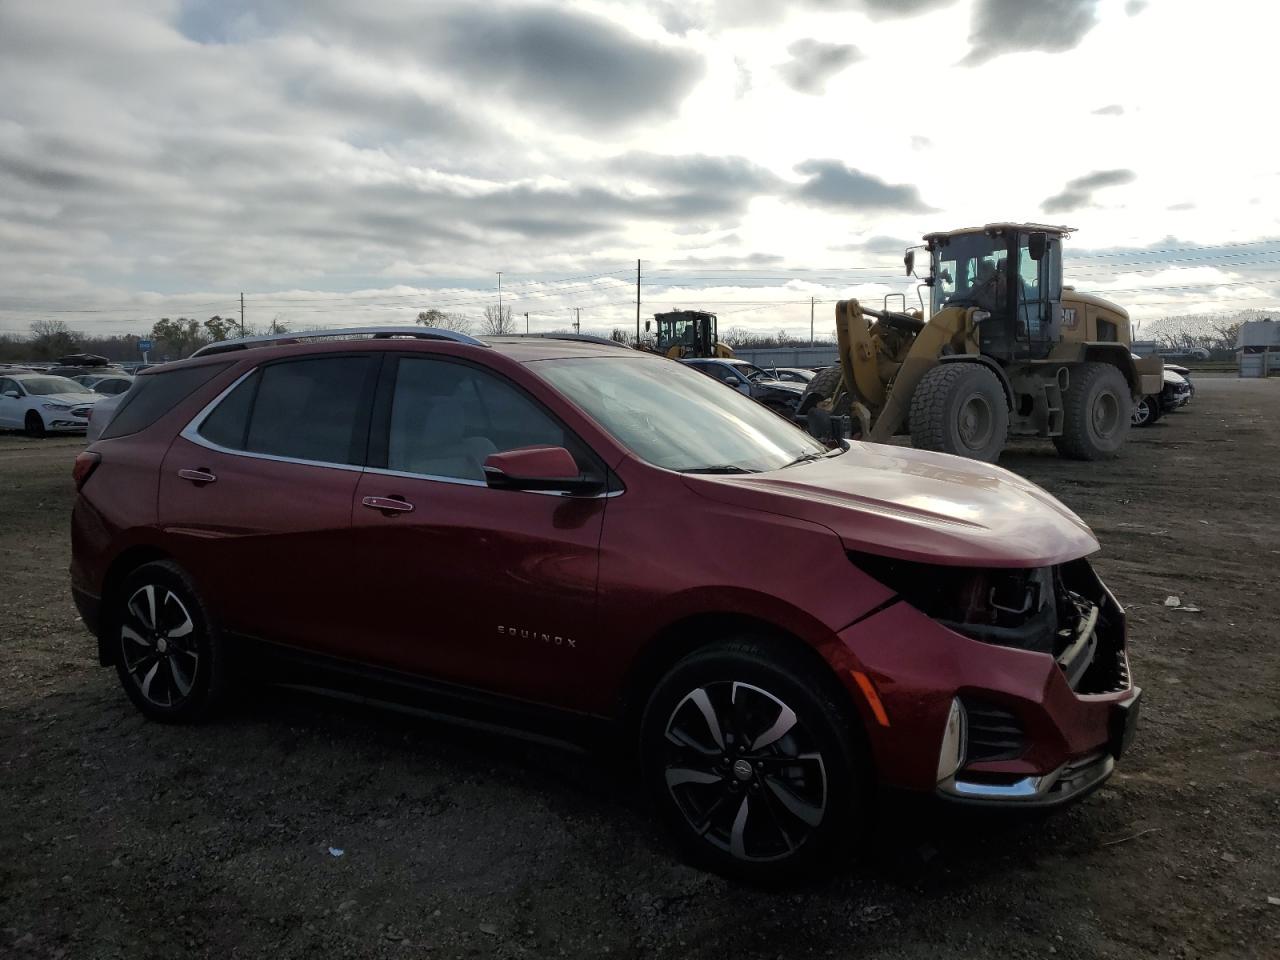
x=154 y=395
x=314 y=409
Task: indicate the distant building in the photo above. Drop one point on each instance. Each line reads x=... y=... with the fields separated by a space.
x=1258 y=348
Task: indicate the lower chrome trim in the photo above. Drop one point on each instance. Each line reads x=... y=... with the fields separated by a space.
x=1072 y=779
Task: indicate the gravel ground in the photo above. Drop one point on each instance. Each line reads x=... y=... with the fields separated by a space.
x=295 y=827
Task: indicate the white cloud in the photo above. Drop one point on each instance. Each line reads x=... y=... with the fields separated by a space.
x=156 y=156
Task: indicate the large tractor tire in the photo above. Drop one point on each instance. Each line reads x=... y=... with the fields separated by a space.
x=1097 y=413
x=960 y=408
x=823 y=387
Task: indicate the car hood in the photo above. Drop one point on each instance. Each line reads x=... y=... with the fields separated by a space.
x=70 y=399
x=916 y=505
x=1175 y=378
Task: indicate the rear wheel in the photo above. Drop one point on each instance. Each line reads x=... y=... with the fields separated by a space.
x=169 y=653
x=960 y=408
x=751 y=762
x=1096 y=413
x=34 y=424
x=1146 y=412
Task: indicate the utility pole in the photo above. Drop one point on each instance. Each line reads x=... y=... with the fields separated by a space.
x=811 y=321
x=637 y=303
x=499 y=293
x=526 y=321
x=577 y=323
x=242 y=313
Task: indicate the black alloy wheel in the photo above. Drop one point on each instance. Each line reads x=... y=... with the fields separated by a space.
x=169 y=654
x=755 y=760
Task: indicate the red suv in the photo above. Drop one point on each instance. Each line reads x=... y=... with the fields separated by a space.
x=562 y=536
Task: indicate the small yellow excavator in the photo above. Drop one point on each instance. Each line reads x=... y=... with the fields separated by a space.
x=1006 y=351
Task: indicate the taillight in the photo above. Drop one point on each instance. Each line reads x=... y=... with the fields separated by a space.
x=85 y=464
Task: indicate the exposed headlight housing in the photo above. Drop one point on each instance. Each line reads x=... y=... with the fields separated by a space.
x=54 y=406
x=1024 y=607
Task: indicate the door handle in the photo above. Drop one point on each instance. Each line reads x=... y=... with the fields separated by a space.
x=388 y=504
x=197 y=476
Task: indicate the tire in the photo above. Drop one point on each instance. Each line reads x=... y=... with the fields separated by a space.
x=1096 y=411
x=170 y=657
x=34 y=425
x=719 y=799
x=960 y=408
x=823 y=386
x=1146 y=412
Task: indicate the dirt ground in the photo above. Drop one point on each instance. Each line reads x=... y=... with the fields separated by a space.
x=121 y=838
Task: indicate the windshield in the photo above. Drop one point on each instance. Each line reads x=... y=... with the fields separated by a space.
x=48 y=386
x=671 y=416
x=970 y=269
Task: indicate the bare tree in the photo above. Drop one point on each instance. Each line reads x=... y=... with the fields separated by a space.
x=497 y=321
x=621 y=335
x=457 y=322
x=51 y=339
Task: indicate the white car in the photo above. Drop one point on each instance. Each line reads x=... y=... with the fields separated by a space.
x=41 y=404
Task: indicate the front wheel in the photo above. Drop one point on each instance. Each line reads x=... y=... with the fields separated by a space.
x=1146 y=412
x=34 y=425
x=960 y=408
x=752 y=762
x=169 y=654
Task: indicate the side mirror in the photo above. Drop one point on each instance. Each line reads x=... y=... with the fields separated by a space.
x=648 y=324
x=909 y=260
x=1037 y=243
x=12 y=394
x=537 y=468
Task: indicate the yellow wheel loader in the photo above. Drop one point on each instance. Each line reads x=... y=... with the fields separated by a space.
x=688 y=334
x=1006 y=351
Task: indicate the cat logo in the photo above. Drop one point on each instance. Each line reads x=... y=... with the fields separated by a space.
x=1069 y=318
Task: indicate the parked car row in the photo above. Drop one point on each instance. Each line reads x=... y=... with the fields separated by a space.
x=1177 y=392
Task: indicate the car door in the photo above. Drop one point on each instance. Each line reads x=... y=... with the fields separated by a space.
x=256 y=492
x=485 y=587
x=11 y=408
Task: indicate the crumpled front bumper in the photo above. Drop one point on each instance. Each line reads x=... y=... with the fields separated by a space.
x=1060 y=742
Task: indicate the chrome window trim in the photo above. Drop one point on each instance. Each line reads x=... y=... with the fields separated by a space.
x=191 y=433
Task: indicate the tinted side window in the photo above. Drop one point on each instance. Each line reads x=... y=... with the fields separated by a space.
x=229 y=422
x=446 y=418
x=152 y=396
x=313 y=409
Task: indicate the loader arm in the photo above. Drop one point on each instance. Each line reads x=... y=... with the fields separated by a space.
x=858 y=360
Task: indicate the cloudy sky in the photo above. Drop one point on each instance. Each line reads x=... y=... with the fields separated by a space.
x=362 y=161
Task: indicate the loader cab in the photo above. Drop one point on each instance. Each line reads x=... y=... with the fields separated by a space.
x=692 y=332
x=1012 y=271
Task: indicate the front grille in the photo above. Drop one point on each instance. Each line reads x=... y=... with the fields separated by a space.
x=994 y=733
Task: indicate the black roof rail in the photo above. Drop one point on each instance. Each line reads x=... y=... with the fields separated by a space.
x=347 y=333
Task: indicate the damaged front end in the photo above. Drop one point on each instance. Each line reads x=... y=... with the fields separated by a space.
x=1063 y=610
x=1015 y=729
